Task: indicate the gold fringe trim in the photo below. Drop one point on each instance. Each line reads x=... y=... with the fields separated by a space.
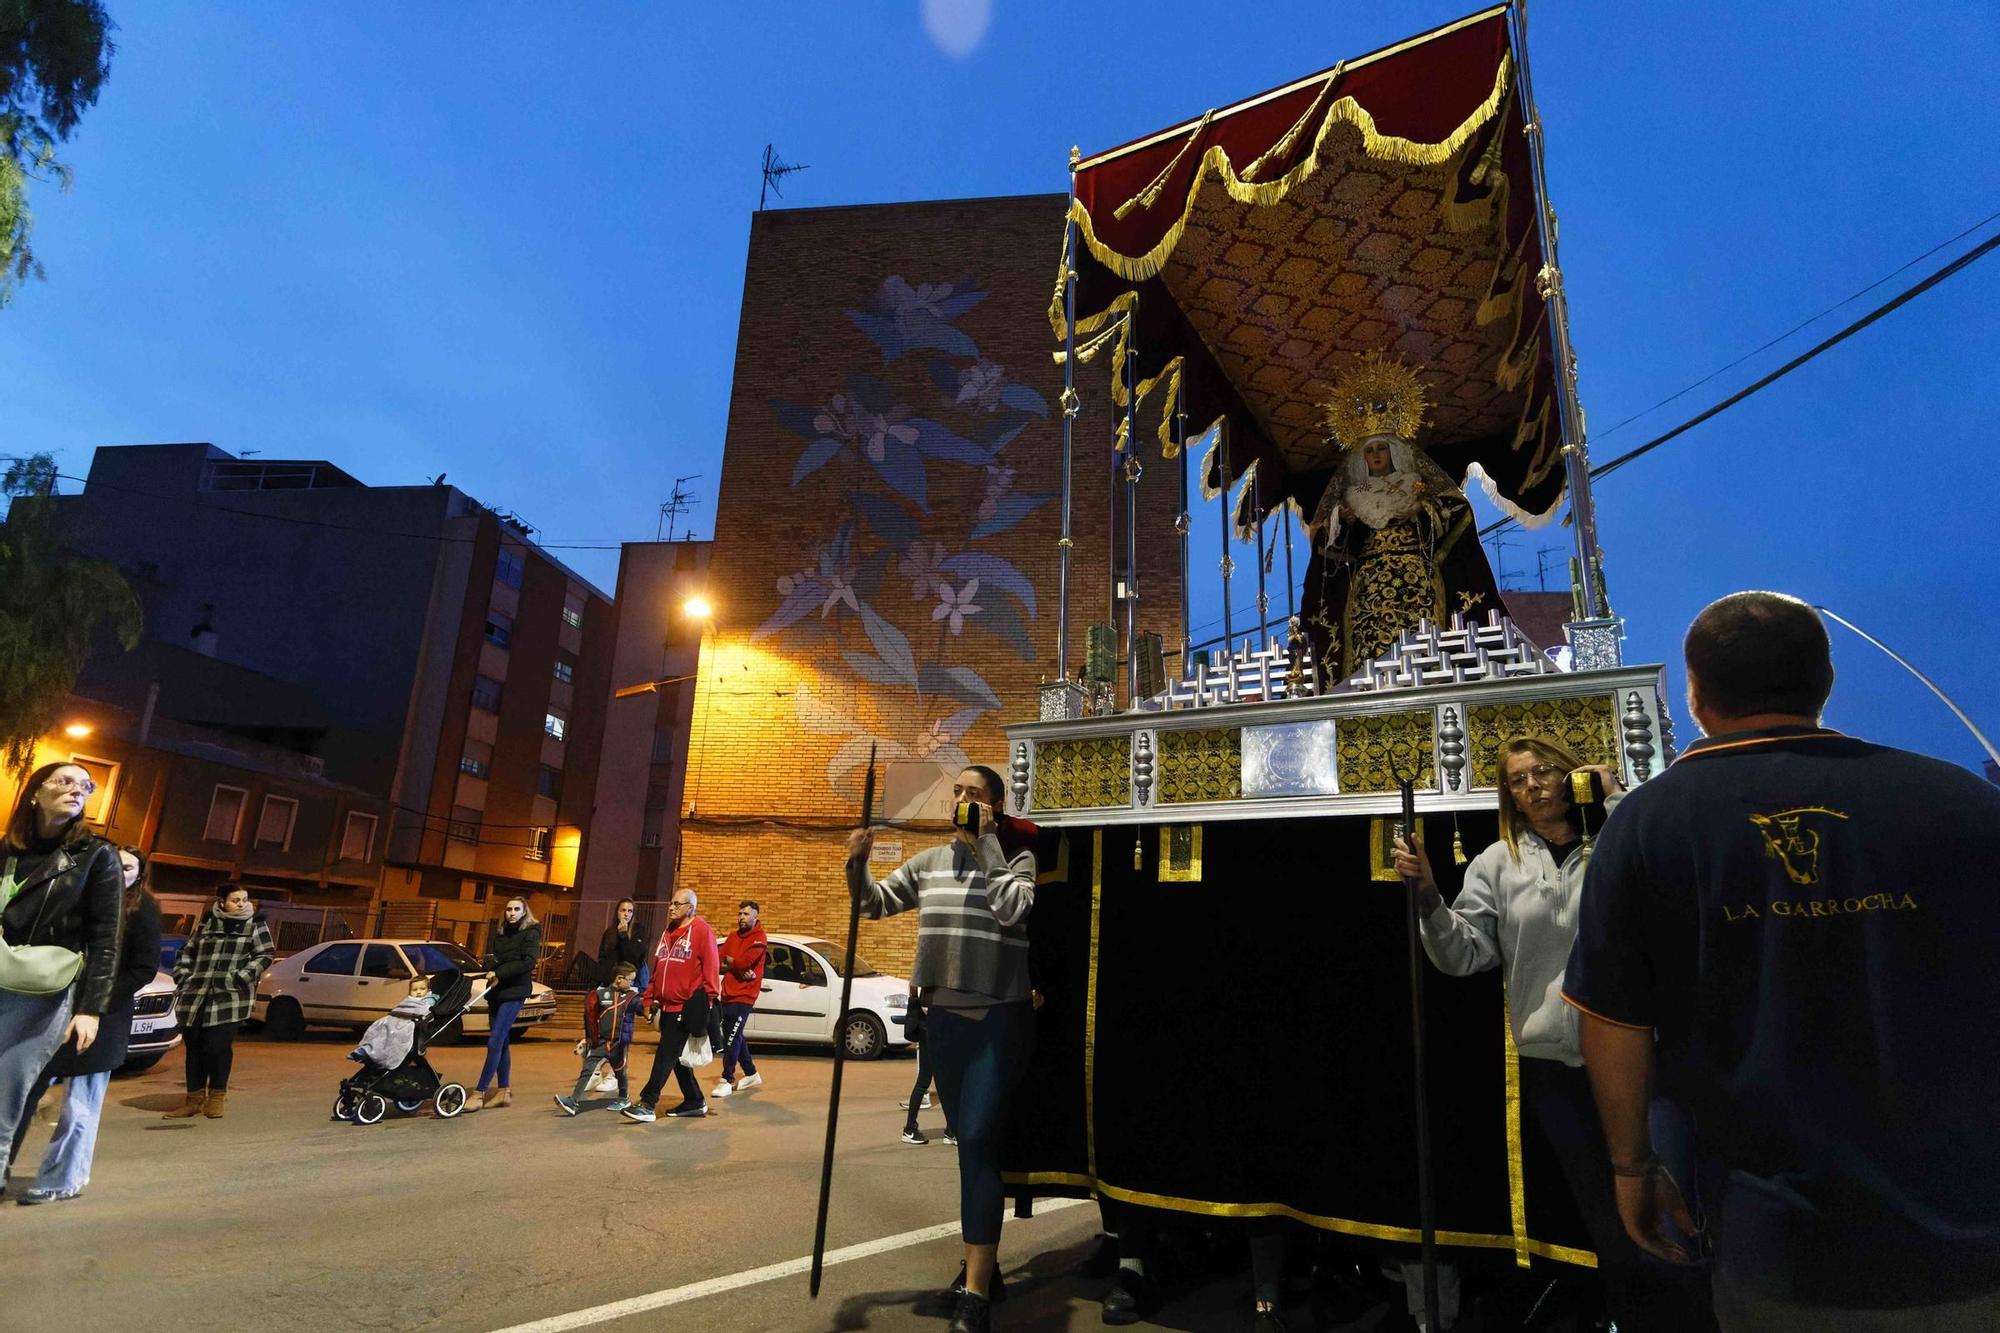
x=1517 y=1185
x=1090 y=1007
x=1147 y=197
x=1345 y=111
x=1281 y=149
x=1170 y=374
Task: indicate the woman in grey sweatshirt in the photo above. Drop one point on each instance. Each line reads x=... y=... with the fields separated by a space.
x=1517 y=910
x=972 y=900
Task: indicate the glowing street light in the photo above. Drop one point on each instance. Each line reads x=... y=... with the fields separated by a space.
x=76 y=731
x=697 y=607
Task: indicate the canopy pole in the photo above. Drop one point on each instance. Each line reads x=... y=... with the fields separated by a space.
x=1549 y=282
x=1263 y=594
x=1181 y=526
x=1228 y=566
x=1132 y=469
x=1291 y=587
x=1069 y=410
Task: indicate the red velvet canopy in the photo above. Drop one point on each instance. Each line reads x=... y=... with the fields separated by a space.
x=1385 y=204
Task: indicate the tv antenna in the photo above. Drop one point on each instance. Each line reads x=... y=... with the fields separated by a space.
x=1501 y=571
x=1542 y=554
x=775 y=171
x=677 y=504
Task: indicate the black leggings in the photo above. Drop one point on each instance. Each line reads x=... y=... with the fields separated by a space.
x=978 y=1062
x=210 y=1050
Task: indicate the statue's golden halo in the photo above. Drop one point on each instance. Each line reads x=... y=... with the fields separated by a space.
x=1376 y=396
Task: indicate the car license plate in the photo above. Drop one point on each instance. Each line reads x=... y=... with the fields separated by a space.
x=144 y=1026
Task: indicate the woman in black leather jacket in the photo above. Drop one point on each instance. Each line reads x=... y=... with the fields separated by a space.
x=59 y=885
x=517 y=948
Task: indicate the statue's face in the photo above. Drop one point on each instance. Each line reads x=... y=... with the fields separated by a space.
x=1376 y=454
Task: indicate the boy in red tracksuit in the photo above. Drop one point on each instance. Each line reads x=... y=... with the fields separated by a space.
x=686 y=981
x=742 y=982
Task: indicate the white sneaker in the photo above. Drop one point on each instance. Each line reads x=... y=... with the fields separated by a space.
x=924 y=1105
x=722 y=1089
x=607 y=1082
x=749 y=1081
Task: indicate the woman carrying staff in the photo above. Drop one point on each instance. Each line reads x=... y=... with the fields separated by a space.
x=65 y=1166
x=215 y=978
x=1518 y=911
x=516 y=950
x=972 y=898
x=59 y=889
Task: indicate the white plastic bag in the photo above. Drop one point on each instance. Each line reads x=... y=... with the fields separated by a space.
x=697 y=1052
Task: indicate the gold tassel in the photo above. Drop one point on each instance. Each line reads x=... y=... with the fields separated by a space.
x=1457 y=844
x=1138 y=853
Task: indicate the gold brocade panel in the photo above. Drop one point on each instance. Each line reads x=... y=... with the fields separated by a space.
x=1083 y=774
x=1588 y=726
x=1200 y=765
x=1372 y=752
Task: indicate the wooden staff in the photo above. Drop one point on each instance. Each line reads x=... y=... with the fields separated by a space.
x=1426 y=1197
x=840 y=1043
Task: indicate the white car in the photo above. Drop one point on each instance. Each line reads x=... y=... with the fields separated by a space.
x=155 y=1024
x=802 y=990
x=351 y=983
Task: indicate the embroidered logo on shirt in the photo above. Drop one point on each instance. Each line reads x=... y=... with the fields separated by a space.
x=1790 y=836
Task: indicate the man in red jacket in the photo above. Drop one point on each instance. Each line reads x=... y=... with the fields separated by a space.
x=685 y=982
x=742 y=982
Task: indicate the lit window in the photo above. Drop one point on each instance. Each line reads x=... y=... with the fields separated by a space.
x=573 y=617
x=473 y=765
x=538 y=844
x=556 y=727
x=565 y=671
x=274 y=823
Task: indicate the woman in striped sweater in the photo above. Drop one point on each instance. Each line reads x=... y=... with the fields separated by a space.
x=972 y=899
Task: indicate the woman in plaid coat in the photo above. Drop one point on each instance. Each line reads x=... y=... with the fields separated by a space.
x=215 y=978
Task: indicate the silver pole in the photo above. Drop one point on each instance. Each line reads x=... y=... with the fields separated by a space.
x=1291 y=594
x=1069 y=410
x=1228 y=565
x=1182 y=526
x=1132 y=469
x=1576 y=456
x=1263 y=595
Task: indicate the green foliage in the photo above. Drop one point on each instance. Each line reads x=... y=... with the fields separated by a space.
x=54 y=57
x=53 y=603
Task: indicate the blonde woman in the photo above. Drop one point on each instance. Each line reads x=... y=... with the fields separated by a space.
x=1518 y=911
x=516 y=950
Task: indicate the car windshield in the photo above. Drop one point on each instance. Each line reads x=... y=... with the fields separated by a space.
x=438 y=956
x=836 y=958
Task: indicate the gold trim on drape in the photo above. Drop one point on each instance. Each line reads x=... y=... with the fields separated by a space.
x=1517 y=1185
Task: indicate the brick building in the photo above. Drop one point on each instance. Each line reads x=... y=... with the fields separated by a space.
x=884 y=565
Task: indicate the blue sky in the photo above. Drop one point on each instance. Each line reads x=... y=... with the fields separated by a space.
x=507 y=245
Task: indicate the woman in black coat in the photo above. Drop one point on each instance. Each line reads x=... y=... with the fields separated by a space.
x=66 y=1166
x=516 y=951
x=624 y=942
x=59 y=885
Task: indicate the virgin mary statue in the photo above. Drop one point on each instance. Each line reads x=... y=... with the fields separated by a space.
x=1394 y=532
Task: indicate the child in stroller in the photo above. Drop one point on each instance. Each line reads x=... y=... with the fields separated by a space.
x=391 y=1055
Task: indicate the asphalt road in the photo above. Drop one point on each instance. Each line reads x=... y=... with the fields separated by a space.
x=278 y=1217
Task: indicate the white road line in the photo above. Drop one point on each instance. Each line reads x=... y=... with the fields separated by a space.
x=694 y=1291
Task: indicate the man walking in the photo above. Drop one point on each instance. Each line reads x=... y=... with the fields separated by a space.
x=742 y=982
x=685 y=977
x=1799 y=927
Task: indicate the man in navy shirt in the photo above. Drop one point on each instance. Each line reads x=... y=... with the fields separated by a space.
x=1802 y=929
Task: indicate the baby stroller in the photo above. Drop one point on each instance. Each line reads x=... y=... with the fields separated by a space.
x=365 y=1097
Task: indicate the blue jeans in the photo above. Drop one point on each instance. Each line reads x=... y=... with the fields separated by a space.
x=735 y=1051
x=66 y=1165
x=979 y=1061
x=31 y=1030
x=497 y=1051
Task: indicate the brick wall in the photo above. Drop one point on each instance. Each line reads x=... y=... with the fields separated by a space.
x=893 y=431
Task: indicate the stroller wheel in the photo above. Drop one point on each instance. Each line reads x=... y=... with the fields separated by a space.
x=407 y=1107
x=450 y=1100
x=372 y=1108
x=343 y=1105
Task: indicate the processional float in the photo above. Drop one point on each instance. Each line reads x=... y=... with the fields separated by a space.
x=1350 y=285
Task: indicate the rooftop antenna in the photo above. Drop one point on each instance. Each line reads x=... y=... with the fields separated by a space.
x=1542 y=554
x=677 y=504
x=1500 y=549
x=775 y=171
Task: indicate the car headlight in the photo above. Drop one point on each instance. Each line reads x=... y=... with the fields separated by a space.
x=897 y=1002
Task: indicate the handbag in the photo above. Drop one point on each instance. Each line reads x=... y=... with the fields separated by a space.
x=34 y=969
x=697 y=1052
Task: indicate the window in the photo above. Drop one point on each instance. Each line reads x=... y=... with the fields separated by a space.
x=436 y=956
x=565 y=671
x=556 y=727
x=274 y=823
x=464 y=826
x=97 y=806
x=382 y=960
x=225 y=814
x=663 y=745
x=486 y=694
x=508 y=569
x=336 y=960
x=499 y=628
x=548 y=782
x=357 y=840
x=473 y=764
x=779 y=964
x=810 y=972
x=538 y=844
x=573 y=614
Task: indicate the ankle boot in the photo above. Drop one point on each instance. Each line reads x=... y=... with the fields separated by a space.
x=189 y=1108
x=502 y=1096
x=218 y=1102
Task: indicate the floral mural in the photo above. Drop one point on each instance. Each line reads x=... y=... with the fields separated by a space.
x=909 y=590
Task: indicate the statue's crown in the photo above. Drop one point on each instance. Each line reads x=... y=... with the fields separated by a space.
x=1375 y=396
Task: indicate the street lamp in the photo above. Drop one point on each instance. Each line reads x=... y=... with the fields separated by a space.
x=697 y=607
x=76 y=731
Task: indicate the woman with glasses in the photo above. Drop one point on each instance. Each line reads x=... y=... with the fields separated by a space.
x=60 y=888
x=215 y=980
x=1517 y=911
x=517 y=948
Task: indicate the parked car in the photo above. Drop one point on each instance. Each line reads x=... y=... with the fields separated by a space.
x=801 y=992
x=170 y=950
x=155 y=1024
x=351 y=983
